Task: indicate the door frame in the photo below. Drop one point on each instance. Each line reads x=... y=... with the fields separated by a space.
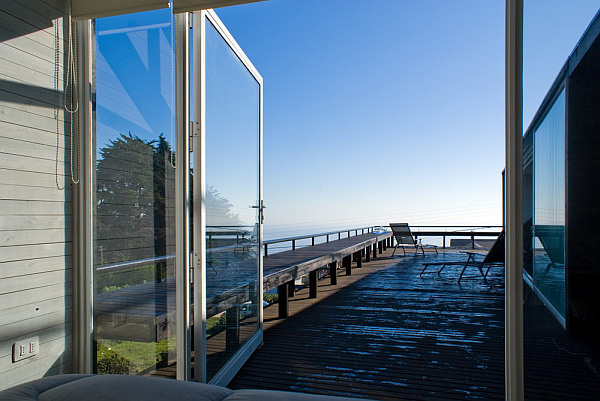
x=234 y=364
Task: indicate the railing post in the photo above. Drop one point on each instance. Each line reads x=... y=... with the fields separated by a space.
x=327 y=237
x=333 y=272
x=293 y=245
x=368 y=252
x=347 y=262
x=312 y=284
x=443 y=242
x=358 y=257
x=381 y=247
x=374 y=249
x=313 y=241
x=472 y=242
x=266 y=250
x=384 y=242
x=339 y=235
x=282 y=301
x=232 y=324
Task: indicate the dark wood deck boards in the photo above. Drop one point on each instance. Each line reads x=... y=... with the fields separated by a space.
x=277 y=261
x=392 y=335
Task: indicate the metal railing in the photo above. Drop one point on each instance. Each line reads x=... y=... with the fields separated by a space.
x=293 y=240
x=418 y=231
x=457 y=231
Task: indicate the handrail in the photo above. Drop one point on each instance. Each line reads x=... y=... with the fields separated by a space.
x=293 y=240
x=278 y=240
x=132 y=263
x=142 y=262
x=146 y=261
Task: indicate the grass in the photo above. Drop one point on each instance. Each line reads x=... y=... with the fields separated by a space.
x=140 y=355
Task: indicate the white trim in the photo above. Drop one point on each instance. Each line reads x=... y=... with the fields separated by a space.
x=232 y=367
x=82 y=213
x=182 y=198
x=514 y=202
x=199 y=212
x=261 y=212
x=235 y=47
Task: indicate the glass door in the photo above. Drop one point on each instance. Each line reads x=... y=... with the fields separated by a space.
x=134 y=196
x=227 y=210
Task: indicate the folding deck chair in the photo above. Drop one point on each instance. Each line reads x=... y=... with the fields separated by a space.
x=495 y=257
x=404 y=238
x=552 y=238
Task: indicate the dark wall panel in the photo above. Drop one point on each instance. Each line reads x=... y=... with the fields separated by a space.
x=583 y=196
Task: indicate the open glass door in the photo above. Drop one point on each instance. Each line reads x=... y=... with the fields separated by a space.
x=227 y=210
x=134 y=194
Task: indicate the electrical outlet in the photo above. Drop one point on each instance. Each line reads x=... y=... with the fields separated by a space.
x=25 y=348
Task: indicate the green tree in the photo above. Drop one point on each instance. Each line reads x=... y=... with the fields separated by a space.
x=125 y=200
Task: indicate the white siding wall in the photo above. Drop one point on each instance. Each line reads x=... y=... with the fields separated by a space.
x=35 y=216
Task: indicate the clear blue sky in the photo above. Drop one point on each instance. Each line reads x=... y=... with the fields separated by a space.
x=381 y=110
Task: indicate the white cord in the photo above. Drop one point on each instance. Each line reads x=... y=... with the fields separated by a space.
x=173 y=85
x=72 y=106
x=56 y=83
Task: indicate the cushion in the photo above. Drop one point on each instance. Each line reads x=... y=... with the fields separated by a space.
x=141 y=388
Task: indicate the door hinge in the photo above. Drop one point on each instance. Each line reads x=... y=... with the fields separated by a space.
x=191 y=137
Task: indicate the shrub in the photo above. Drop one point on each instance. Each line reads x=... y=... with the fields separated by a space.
x=271 y=298
x=111 y=363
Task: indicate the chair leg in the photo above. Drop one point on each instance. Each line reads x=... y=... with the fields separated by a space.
x=443 y=266
x=465 y=267
x=422 y=271
x=462 y=272
x=395 y=250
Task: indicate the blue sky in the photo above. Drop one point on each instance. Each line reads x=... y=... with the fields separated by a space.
x=374 y=110
x=381 y=110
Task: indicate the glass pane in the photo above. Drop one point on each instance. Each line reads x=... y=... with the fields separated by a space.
x=549 y=209
x=527 y=215
x=134 y=237
x=561 y=97
x=232 y=140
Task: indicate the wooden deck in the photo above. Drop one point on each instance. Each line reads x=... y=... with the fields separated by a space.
x=146 y=312
x=384 y=333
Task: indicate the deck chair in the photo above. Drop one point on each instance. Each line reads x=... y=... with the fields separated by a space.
x=495 y=257
x=552 y=239
x=404 y=238
x=248 y=239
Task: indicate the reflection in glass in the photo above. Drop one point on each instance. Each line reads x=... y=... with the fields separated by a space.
x=232 y=141
x=134 y=237
x=549 y=209
x=528 y=205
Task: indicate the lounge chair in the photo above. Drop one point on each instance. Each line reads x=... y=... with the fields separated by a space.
x=404 y=238
x=494 y=257
x=552 y=238
x=249 y=239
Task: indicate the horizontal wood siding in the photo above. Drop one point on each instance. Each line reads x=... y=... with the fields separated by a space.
x=35 y=216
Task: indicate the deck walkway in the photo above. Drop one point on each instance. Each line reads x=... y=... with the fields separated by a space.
x=384 y=333
x=146 y=312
